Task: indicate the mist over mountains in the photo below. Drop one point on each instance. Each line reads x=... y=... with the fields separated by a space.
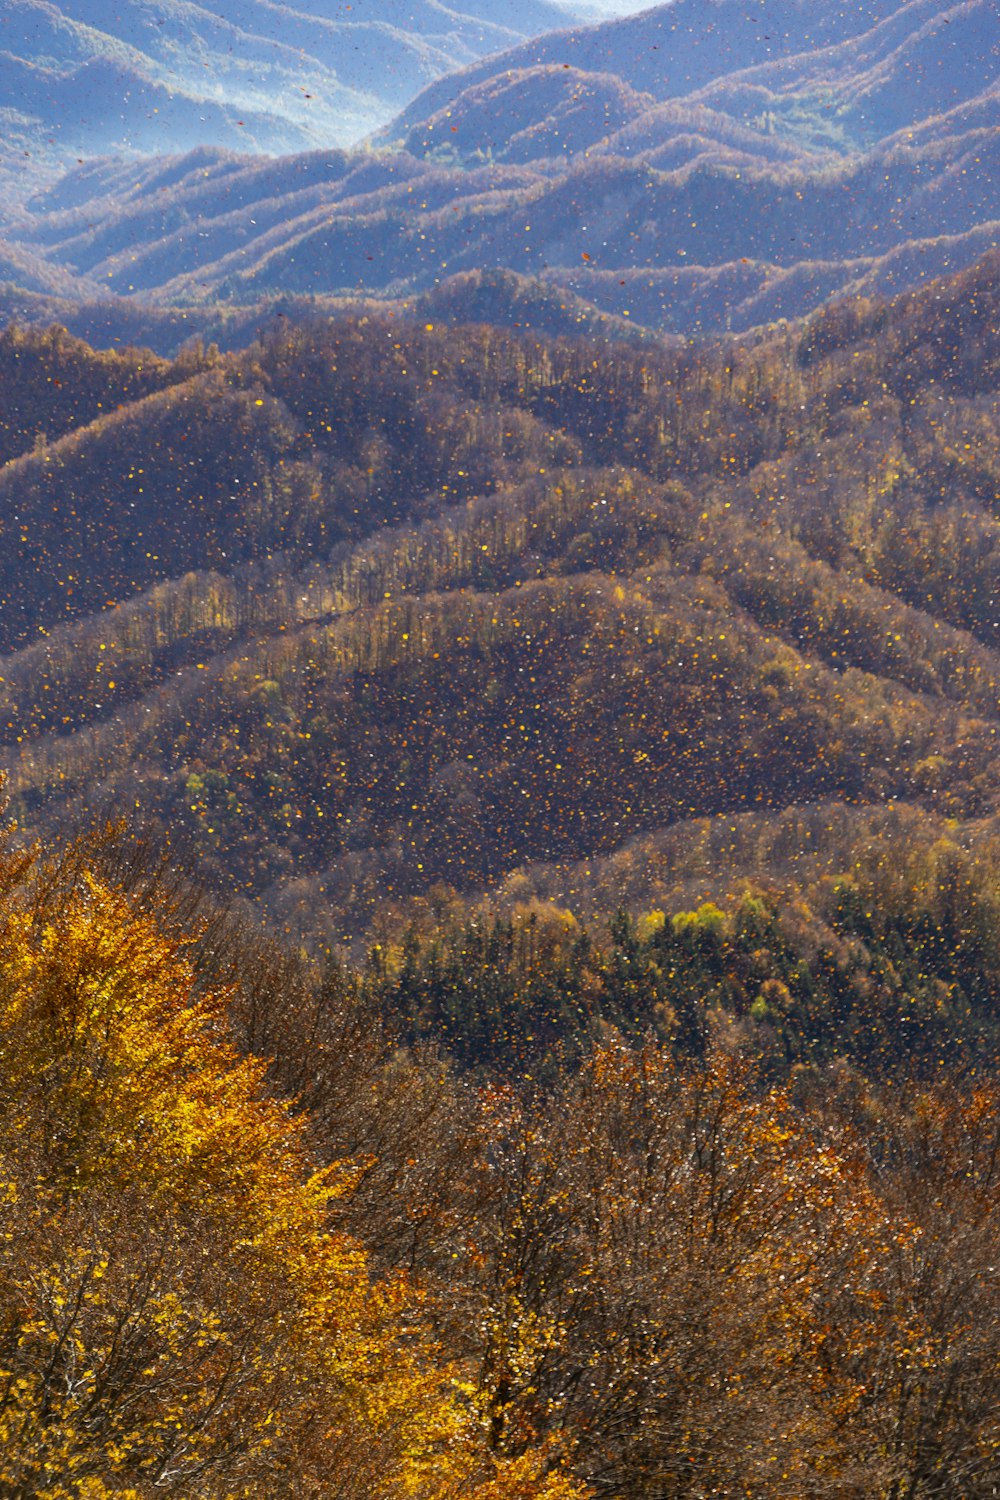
x=86 y=77
x=230 y=580
x=693 y=169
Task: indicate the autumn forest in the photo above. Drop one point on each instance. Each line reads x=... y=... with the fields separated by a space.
x=500 y=913
x=499 y=729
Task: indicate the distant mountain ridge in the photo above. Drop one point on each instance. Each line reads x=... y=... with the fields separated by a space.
x=694 y=169
x=674 y=49
x=87 y=76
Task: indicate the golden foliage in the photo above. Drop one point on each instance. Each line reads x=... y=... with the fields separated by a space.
x=176 y=1314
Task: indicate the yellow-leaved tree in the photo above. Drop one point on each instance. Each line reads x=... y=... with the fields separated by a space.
x=176 y=1314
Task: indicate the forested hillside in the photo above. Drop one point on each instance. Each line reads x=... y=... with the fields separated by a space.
x=499 y=961
x=378 y=609
x=392 y=1285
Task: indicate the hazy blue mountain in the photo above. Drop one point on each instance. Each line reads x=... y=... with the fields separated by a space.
x=673 y=49
x=869 y=164
x=87 y=76
x=927 y=59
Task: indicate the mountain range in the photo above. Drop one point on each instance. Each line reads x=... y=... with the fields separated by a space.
x=85 y=77
x=499 y=727
x=693 y=169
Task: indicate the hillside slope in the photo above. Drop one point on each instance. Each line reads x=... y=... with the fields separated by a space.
x=378 y=606
x=672 y=50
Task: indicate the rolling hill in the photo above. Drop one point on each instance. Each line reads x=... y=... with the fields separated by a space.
x=499 y=727
x=672 y=50
x=379 y=608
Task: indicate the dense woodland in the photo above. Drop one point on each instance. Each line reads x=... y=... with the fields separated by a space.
x=398 y=606
x=256 y=1244
x=499 y=928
